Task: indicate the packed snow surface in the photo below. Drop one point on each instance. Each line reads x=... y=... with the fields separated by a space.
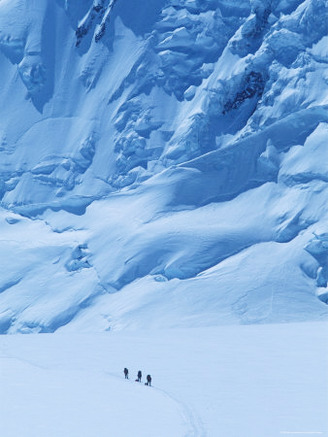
x=245 y=381
x=162 y=156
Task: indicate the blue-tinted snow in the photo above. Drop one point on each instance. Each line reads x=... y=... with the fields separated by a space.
x=249 y=381
x=163 y=157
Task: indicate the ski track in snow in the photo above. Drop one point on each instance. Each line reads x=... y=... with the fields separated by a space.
x=189 y=415
x=6 y=355
x=285 y=387
x=24 y=361
x=190 y=418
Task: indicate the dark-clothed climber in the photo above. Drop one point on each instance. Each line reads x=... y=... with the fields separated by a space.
x=139 y=376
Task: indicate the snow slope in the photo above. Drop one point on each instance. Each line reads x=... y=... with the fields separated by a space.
x=249 y=381
x=169 y=157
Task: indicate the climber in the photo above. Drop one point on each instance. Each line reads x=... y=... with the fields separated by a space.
x=126 y=373
x=148 y=380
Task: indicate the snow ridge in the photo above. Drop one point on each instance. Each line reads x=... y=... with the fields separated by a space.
x=162 y=166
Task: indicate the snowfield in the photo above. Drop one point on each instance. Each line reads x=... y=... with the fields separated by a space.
x=245 y=381
x=163 y=207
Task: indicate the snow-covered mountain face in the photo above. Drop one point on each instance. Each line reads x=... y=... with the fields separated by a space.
x=162 y=164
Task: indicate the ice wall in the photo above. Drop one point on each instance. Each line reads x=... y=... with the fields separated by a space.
x=170 y=160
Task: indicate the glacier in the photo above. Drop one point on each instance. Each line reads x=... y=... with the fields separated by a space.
x=72 y=385
x=162 y=166
x=163 y=207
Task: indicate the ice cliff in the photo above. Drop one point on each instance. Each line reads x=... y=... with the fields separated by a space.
x=162 y=163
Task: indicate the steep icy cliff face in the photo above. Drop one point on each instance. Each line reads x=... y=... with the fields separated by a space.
x=162 y=164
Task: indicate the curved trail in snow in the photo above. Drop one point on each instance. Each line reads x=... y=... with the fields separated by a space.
x=190 y=418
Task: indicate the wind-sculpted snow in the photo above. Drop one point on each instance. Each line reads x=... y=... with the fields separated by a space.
x=169 y=157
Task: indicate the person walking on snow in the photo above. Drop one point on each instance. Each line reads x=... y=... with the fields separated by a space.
x=148 y=380
x=139 y=376
x=126 y=373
